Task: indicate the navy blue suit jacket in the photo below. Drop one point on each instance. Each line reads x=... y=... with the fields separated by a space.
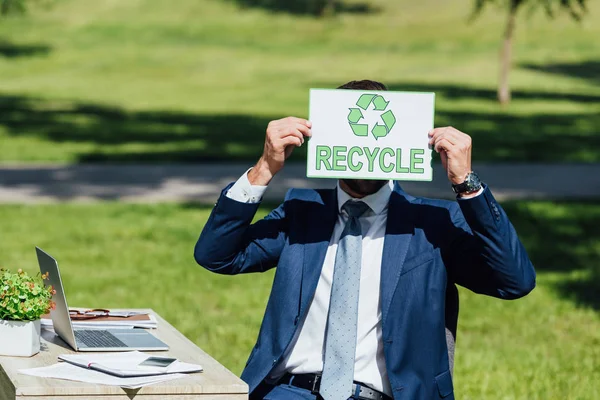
x=430 y=245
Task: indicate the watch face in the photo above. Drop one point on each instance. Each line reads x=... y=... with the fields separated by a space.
x=473 y=181
x=471 y=184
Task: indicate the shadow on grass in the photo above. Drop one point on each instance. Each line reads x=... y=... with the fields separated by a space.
x=11 y=50
x=563 y=237
x=587 y=70
x=109 y=134
x=451 y=91
x=164 y=136
x=536 y=138
x=310 y=7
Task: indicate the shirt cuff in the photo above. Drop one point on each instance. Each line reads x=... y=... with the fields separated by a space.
x=472 y=196
x=244 y=192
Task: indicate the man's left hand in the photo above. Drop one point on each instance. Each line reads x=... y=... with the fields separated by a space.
x=454 y=147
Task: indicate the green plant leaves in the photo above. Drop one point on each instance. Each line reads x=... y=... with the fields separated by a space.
x=23 y=297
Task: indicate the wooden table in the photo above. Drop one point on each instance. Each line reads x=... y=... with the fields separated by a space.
x=214 y=383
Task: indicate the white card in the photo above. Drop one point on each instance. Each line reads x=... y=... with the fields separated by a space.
x=370 y=134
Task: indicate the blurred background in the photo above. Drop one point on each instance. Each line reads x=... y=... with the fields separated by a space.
x=121 y=120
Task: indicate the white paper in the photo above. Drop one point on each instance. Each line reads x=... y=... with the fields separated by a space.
x=103 y=324
x=126 y=363
x=391 y=127
x=73 y=373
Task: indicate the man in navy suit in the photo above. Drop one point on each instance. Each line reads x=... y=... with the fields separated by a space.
x=364 y=303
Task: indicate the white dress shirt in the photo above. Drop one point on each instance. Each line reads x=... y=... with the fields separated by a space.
x=306 y=352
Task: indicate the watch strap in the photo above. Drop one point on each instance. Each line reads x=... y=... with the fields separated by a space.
x=471 y=184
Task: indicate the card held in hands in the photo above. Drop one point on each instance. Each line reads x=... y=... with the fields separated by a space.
x=360 y=134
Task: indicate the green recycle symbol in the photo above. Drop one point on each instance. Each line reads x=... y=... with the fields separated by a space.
x=379 y=130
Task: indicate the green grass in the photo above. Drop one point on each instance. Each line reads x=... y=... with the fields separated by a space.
x=148 y=80
x=546 y=346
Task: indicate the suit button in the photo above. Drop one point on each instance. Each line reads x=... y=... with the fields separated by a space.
x=274 y=362
x=296 y=320
x=496 y=212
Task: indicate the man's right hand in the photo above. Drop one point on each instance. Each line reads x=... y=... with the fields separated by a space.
x=283 y=135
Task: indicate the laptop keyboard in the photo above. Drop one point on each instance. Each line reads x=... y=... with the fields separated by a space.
x=94 y=338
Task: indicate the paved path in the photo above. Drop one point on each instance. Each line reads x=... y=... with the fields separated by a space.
x=203 y=182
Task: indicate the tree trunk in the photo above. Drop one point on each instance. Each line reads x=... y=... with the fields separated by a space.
x=506 y=57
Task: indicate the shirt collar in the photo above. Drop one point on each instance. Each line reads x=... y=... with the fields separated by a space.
x=377 y=201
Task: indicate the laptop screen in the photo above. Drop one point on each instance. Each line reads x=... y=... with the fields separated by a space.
x=60 y=315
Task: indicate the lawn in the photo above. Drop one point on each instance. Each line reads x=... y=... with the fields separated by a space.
x=546 y=346
x=198 y=80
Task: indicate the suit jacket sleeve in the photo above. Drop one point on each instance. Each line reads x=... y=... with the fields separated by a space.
x=485 y=254
x=230 y=244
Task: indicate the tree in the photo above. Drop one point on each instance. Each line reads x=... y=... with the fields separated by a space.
x=329 y=8
x=12 y=6
x=20 y=6
x=575 y=8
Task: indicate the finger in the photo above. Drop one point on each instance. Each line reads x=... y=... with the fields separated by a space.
x=460 y=140
x=465 y=141
x=295 y=133
x=443 y=136
x=304 y=129
x=454 y=136
x=296 y=120
x=443 y=144
x=436 y=133
x=444 y=159
x=457 y=137
x=444 y=128
x=449 y=132
x=291 y=140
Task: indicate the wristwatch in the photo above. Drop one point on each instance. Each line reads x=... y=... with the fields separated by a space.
x=470 y=185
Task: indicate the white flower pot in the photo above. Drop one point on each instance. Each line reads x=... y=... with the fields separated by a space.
x=18 y=338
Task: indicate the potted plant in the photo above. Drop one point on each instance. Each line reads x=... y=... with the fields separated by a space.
x=23 y=300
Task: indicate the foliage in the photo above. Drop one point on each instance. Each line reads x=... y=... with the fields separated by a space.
x=23 y=297
x=575 y=8
x=20 y=6
x=12 y=6
x=312 y=7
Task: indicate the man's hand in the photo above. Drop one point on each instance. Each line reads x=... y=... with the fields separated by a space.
x=454 y=147
x=283 y=135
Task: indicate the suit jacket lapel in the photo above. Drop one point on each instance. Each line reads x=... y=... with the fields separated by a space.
x=398 y=235
x=320 y=221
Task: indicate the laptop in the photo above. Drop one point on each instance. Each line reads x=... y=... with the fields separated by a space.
x=90 y=339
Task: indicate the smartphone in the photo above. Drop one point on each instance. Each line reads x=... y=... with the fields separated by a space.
x=157 y=362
